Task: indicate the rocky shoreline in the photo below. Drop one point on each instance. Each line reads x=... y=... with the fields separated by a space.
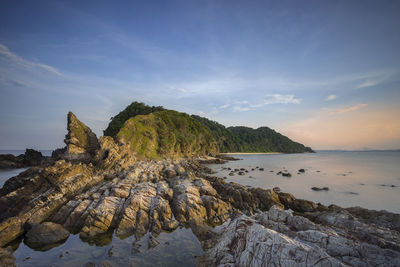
x=99 y=187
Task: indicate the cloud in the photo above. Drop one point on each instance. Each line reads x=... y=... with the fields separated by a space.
x=348 y=109
x=367 y=84
x=330 y=97
x=224 y=106
x=15 y=59
x=280 y=99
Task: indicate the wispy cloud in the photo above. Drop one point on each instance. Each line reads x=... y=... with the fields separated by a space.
x=15 y=59
x=268 y=99
x=280 y=99
x=368 y=84
x=348 y=109
x=330 y=97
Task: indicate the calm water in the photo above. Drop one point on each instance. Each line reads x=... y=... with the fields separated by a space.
x=179 y=248
x=354 y=178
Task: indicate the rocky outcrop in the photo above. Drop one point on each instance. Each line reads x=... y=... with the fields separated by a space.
x=277 y=238
x=45 y=236
x=39 y=193
x=31 y=157
x=81 y=142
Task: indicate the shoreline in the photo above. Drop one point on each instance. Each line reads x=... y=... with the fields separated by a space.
x=252 y=153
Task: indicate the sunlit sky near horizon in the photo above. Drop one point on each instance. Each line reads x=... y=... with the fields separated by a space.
x=324 y=73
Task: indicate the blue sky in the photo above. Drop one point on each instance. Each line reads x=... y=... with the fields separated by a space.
x=325 y=73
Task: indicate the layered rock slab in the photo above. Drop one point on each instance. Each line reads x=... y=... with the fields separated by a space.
x=276 y=238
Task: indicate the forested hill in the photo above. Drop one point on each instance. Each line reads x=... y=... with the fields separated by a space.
x=231 y=139
x=245 y=139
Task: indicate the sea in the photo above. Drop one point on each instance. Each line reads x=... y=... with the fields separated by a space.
x=370 y=179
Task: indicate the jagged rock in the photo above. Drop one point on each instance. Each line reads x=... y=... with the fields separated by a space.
x=112 y=156
x=31 y=157
x=46 y=235
x=40 y=194
x=59 y=153
x=278 y=238
x=81 y=142
x=6 y=257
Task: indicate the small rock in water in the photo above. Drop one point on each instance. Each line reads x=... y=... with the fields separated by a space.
x=392 y=185
x=362 y=184
x=231 y=174
x=278 y=173
x=261 y=169
x=302 y=170
x=241 y=173
x=320 y=188
x=271 y=171
x=242 y=169
x=352 y=193
x=287 y=174
x=252 y=169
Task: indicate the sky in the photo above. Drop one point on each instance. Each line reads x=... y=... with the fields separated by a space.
x=324 y=73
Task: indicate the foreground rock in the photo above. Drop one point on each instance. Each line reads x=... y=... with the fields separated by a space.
x=277 y=238
x=46 y=235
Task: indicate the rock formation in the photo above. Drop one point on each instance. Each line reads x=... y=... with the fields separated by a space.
x=81 y=142
x=278 y=237
x=31 y=157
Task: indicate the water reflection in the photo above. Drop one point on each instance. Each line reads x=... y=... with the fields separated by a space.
x=180 y=247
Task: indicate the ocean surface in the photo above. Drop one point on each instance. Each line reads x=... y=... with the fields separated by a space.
x=370 y=179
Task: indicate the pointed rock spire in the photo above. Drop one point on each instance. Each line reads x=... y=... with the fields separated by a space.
x=81 y=142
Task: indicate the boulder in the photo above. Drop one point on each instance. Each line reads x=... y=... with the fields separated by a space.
x=45 y=236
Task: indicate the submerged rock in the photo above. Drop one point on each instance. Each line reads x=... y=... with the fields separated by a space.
x=46 y=235
x=320 y=188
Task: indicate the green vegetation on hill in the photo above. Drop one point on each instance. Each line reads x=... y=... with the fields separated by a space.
x=167 y=133
x=130 y=111
x=155 y=132
x=226 y=139
x=264 y=139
